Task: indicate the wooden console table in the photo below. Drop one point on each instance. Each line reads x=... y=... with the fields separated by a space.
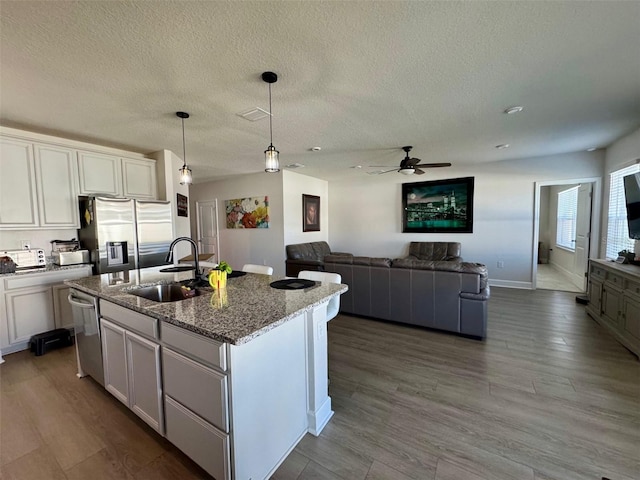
x=614 y=300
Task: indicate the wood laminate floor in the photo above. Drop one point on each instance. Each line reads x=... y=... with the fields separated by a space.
x=548 y=396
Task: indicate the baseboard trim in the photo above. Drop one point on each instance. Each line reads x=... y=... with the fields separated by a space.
x=510 y=284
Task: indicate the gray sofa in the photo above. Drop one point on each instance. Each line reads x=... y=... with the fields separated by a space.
x=307 y=256
x=424 y=290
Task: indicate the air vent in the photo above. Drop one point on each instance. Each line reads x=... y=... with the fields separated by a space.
x=254 y=114
x=294 y=165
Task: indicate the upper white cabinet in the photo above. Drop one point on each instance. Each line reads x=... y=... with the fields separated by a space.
x=139 y=178
x=102 y=174
x=56 y=176
x=18 y=197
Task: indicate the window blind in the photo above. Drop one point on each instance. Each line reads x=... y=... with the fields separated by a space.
x=566 y=218
x=617 y=228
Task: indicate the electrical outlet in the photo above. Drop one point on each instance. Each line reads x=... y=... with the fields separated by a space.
x=500 y=264
x=25 y=244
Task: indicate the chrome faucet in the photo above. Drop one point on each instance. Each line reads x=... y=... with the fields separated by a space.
x=194 y=245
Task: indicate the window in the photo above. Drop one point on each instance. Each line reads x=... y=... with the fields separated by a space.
x=566 y=218
x=617 y=228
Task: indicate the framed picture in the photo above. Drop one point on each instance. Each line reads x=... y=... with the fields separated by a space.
x=310 y=213
x=183 y=206
x=438 y=206
x=250 y=212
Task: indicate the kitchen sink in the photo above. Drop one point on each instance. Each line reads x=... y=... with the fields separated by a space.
x=165 y=293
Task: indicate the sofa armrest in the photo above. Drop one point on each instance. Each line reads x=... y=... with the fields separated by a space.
x=454 y=259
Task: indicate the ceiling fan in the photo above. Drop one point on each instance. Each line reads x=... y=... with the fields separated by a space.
x=409 y=166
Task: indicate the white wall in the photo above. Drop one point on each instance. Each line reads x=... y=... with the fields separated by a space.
x=294 y=185
x=167 y=166
x=365 y=213
x=262 y=246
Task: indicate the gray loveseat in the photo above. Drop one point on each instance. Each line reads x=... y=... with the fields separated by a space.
x=423 y=289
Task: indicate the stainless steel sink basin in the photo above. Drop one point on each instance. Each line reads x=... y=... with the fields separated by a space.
x=165 y=293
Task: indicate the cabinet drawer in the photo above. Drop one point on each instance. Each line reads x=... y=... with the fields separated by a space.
x=598 y=272
x=633 y=287
x=199 y=440
x=201 y=389
x=202 y=349
x=129 y=319
x=615 y=279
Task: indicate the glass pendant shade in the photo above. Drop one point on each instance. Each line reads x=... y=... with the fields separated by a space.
x=185 y=172
x=407 y=171
x=271 y=162
x=185 y=175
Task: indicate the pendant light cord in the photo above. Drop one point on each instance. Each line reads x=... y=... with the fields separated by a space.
x=184 y=148
x=270 y=119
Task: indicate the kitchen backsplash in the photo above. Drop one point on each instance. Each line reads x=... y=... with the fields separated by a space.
x=15 y=239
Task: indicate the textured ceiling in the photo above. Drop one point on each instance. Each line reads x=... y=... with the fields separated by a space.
x=359 y=79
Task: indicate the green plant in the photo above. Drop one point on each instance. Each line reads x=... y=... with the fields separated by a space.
x=224 y=267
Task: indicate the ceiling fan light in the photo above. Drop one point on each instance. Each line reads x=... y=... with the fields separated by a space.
x=271 y=161
x=407 y=171
x=185 y=175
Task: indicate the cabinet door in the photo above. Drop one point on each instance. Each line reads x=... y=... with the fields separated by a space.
x=62 y=313
x=139 y=178
x=57 y=179
x=29 y=312
x=99 y=173
x=611 y=304
x=595 y=295
x=631 y=315
x=18 y=199
x=145 y=392
x=114 y=359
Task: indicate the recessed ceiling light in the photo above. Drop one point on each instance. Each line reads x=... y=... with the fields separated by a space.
x=502 y=146
x=592 y=149
x=515 y=109
x=316 y=149
x=355 y=166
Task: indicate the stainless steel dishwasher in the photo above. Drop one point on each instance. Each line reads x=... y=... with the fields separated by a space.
x=87 y=330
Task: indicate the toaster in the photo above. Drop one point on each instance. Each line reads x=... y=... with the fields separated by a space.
x=71 y=258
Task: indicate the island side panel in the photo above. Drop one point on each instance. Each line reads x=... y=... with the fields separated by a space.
x=268 y=398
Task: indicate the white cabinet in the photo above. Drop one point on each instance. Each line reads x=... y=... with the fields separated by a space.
x=62 y=314
x=99 y=174
x=18 y=197
x=139 y=178
x=56 y=176
x=34 y=303
x=132 y=368
x=29 y=311
x=102 y=174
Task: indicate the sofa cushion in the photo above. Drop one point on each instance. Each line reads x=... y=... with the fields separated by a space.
x=448 y=251
x=308 y=251
x=341 y=258
x=372 y=261
x=460 y=267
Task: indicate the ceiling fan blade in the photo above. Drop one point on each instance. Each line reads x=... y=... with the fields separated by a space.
x=403 y=163
x=433 y=165
x=412 y=161
x=381 y=172
x=381 y=166
x=418 y=171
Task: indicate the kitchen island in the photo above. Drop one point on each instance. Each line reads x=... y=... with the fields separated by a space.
x=234 y=378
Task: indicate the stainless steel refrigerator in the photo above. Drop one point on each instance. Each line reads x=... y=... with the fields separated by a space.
x=123 y=234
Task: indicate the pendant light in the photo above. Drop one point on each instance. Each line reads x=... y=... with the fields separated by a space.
x=185 y=172
x=271 y=162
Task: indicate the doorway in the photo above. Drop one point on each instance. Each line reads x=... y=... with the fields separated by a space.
x=555 y=267
x=208 y=231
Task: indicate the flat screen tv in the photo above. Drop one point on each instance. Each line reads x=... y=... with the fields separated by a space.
x=632 y=198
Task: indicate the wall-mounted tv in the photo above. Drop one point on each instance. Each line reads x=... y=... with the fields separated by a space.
x=632 y=198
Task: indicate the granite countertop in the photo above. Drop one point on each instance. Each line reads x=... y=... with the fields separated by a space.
x=246 y=309
x=49 y=268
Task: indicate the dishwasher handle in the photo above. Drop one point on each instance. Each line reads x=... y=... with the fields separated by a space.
x=78 y=302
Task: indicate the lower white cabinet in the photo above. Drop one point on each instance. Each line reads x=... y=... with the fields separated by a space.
x=132 y=372
x=34 y=303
